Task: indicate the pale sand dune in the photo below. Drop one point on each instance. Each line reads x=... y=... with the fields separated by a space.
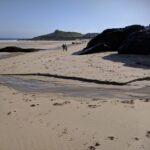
x=53 y=121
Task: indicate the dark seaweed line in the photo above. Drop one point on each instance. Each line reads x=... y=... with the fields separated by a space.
x=80 y=78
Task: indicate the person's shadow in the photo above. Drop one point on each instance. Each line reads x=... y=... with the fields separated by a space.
x=136 y=61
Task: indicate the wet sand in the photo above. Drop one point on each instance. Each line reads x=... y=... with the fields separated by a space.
x=54 y=86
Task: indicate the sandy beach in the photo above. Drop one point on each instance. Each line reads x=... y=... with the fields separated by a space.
x=54 y=100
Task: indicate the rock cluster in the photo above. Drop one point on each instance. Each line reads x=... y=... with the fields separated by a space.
x=12 y=49
x=134 y=39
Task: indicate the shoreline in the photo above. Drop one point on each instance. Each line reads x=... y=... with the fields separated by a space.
x=53 y=85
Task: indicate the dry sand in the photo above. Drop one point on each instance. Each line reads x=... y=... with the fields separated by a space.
x=96 y=66
x=56 y=121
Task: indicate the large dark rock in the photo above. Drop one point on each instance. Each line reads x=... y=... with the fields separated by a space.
x=137 y=43
x=12 y=49
x=113 y=38
x=94 y=49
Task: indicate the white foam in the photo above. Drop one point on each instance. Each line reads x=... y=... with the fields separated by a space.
x=5 y=41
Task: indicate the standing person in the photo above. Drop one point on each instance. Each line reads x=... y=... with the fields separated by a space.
x=63 y=47
x=66 y=47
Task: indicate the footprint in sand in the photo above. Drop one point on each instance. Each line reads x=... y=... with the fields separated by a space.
x=9 y=113
x=64 y=132
x=148 y=134
x=128 y=102
x=91 y=148
x=33 y=105
x=95 y=99
x=93 y=106
x=60 y=104
x=136 y=139
x=97 y=144
x=111 y=138
x=14 y=93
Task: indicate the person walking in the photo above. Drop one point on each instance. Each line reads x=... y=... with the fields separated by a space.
x=64 y=47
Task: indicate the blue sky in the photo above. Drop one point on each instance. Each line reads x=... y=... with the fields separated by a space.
x=29 y=18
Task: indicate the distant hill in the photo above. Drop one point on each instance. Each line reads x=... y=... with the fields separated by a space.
x=147 y=27
x=62 y=35
x=89 y=35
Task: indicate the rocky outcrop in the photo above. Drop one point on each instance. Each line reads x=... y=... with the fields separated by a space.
x=110 y=39
x=137 y=43
x=94 y=49
x=12 y=49
x=114 y=37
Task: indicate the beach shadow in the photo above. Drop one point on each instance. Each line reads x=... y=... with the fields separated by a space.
x=135 y=61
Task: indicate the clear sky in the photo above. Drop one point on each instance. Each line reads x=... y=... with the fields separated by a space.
x=29 y=18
